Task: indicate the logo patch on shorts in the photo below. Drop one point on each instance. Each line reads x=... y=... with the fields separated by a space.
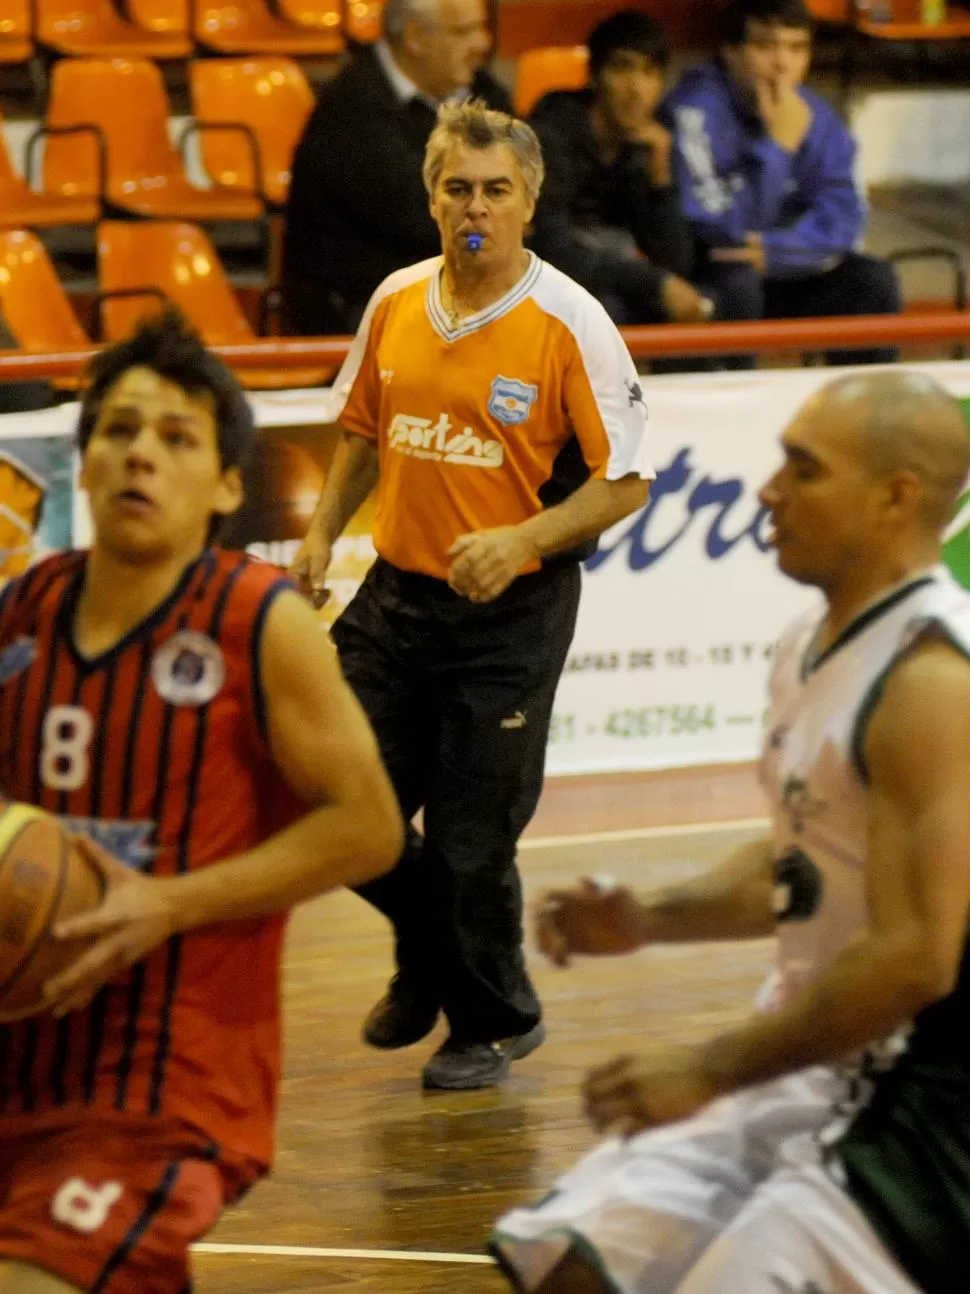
x=83 y=1207
x=189 y=669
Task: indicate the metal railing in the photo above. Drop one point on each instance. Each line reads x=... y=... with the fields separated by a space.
x=653 y=342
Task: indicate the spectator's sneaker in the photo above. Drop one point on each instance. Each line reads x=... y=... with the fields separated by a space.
x=462 y=1066
x=402 y=1017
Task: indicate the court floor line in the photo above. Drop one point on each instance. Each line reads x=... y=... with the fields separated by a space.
x=399 y=1255
x=375 y=1255
x=645 y=833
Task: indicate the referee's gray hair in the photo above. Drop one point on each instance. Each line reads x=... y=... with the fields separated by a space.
x=398 y=13
x=477 y=126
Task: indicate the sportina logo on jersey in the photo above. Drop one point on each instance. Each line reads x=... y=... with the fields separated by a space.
x=420 y=438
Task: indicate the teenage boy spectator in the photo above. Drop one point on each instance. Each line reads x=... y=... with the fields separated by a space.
x=765 y=170
x=610 y=215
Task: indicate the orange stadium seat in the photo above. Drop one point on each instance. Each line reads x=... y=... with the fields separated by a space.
x=833 y=11
x=270 y=99
x=35 y=304
x=554 y=67
x=164 y=17
x=125 y=153
x=248 y=27
x=20 y=206
x=16 y=45
x=178 y=260
x=95 y=27
x=317 y=14
x=14 y=50
x=362 y=20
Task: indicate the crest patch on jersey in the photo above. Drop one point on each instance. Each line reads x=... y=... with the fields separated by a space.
x=188 y=669
x=129 y=842
x=511 y=401
x=16 y=657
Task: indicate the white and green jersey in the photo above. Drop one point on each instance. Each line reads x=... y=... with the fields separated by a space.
x=905 y=1156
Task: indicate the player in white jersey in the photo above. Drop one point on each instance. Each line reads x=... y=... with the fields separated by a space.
x=822 y=1147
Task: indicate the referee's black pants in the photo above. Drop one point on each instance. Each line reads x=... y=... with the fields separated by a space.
x=460 y=696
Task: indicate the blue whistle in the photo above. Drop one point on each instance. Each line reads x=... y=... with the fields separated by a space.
x=474 y=242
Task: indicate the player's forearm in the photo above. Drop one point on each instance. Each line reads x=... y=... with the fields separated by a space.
x=868 y=992
x=731 y=902
x=353 y=474
x=329 y=847
x=593 y=508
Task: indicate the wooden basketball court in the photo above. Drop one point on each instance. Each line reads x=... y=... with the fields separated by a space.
x=383 y=1189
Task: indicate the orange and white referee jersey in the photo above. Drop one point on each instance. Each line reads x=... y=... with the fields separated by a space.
x=472 y=422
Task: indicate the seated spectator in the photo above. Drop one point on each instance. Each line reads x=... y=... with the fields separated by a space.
x=765 y=168
x=357 y=208
x=609 y=215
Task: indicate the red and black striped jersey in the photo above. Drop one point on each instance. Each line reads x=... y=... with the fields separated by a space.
x=158 y=749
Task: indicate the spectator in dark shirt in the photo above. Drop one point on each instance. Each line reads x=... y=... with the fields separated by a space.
x=765 y=169
x=357 y=209
x=609 y=215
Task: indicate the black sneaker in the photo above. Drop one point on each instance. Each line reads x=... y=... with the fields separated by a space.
x=401 y=1018
x=463 y=1066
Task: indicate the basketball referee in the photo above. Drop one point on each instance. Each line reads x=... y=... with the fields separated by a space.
x=496 y=407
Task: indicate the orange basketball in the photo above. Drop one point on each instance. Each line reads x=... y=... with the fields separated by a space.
x=43 y=880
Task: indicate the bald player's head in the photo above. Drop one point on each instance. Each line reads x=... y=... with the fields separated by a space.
x=874 y=464
x=904 y=422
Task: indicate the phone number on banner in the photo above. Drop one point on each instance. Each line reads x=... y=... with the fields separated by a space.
x=648 y=721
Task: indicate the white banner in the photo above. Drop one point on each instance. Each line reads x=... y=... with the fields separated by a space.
x=683 y=604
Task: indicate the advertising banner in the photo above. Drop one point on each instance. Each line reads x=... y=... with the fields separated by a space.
x=682 y=606
x=36 y=491
x=683 y=603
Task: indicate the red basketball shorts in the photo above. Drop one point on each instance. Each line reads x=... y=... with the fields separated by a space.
x=112 y=1203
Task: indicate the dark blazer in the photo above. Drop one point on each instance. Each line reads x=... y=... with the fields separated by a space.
x=357 y=208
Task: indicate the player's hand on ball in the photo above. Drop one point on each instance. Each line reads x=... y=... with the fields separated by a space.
x=660 y=1085
x=486 y=562
x=310 y=565
x=134 y=917
x=594 y=918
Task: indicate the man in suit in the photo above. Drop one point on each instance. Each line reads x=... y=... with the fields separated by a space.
x=357 y=207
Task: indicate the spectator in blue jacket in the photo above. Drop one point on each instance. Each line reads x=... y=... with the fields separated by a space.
x=765 y=170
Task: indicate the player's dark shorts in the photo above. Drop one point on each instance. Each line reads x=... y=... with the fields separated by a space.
x=111 y=1203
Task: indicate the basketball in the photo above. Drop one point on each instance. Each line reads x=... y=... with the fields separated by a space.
x=43 y=880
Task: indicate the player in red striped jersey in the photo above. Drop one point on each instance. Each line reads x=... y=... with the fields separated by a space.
x=183 y=707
